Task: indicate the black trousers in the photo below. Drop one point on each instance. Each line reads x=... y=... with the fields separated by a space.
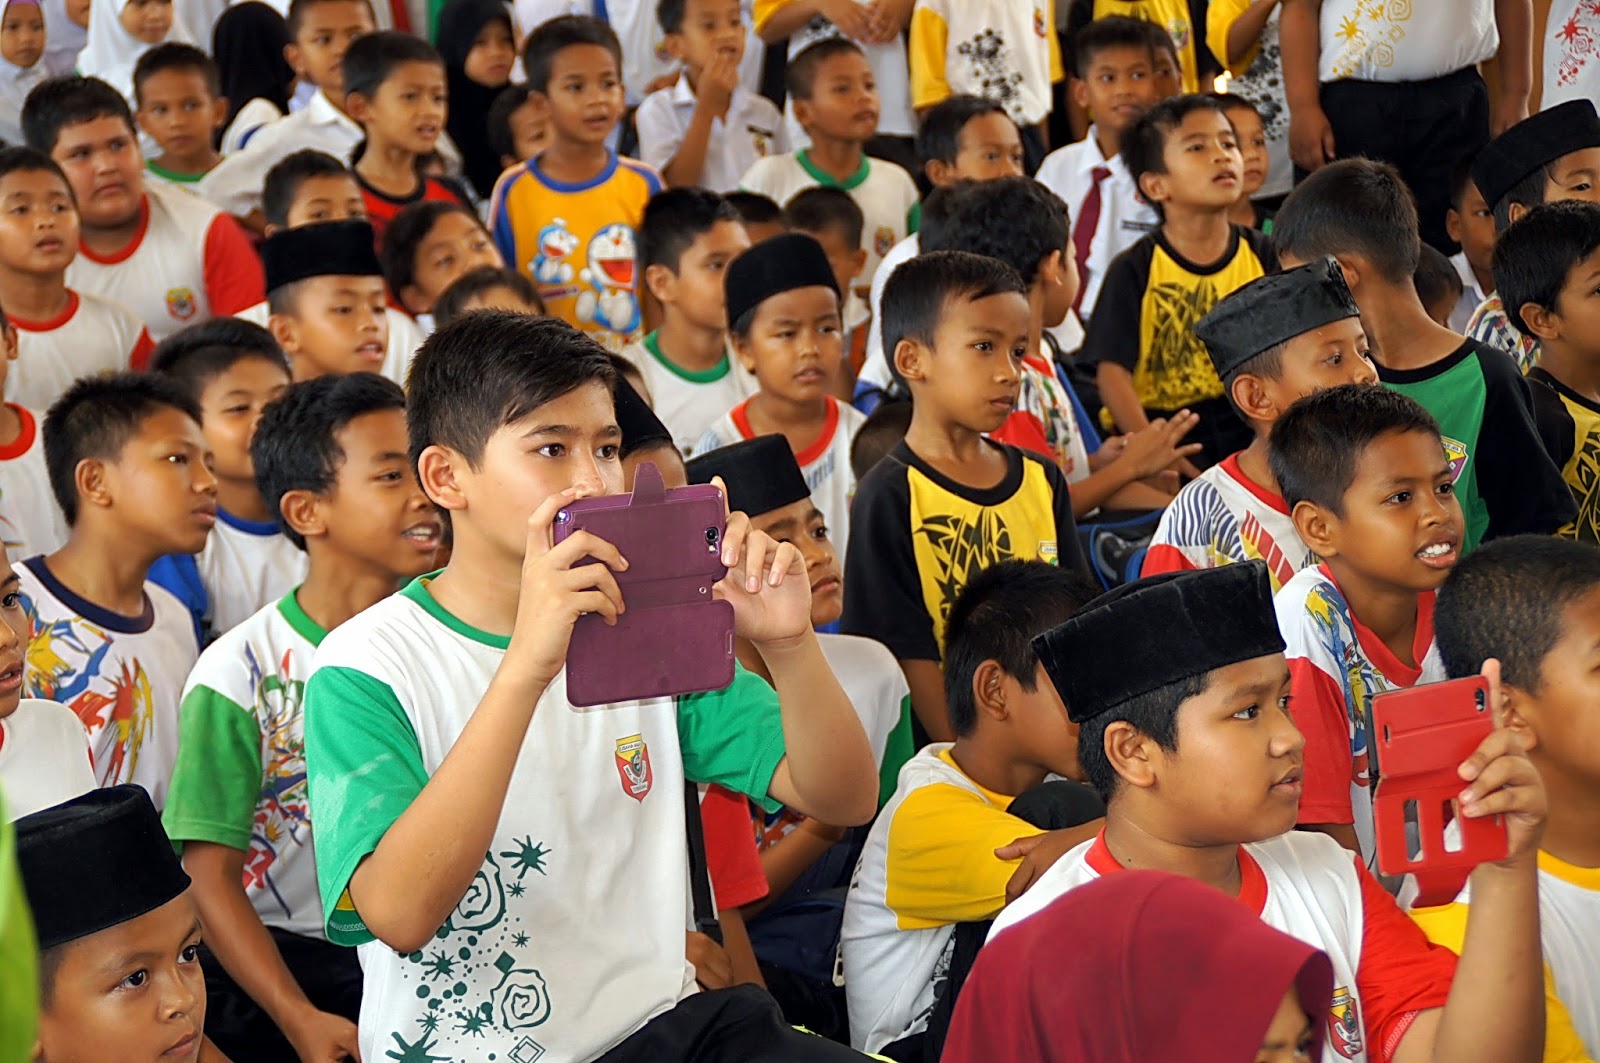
x=330 y=976
x=738 y=1025
x=1425 y=128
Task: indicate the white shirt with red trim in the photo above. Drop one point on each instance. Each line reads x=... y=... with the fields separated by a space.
x=92 y=335
x=44 y=757
x=1222 y=517
x=30 y=520
x=1306 y=885
x=825 y=463
x=1337 y=666
x=188 y=262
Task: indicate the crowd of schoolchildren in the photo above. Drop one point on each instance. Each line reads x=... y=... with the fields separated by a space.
x=1111 y=400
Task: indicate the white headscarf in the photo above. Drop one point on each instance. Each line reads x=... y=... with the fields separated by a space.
x=15 y=84
x=63 y=39
x=112 y=51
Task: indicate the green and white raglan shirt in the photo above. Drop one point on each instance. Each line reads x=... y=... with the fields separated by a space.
x=570 y=937
x=240 y=779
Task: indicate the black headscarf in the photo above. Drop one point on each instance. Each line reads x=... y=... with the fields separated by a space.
x=459 y=25
x=248 y=44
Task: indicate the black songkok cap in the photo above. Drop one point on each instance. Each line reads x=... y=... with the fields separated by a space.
x=1272 y=309
x=1144 y=635
x=761 y=474
x=1536 y=141
x=781 y=264
x=330 y=248
x=94 y=862
x=639 y=423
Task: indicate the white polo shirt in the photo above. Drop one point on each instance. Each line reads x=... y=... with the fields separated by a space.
x=235 y=184
x=1369 y=40
x=752 y=129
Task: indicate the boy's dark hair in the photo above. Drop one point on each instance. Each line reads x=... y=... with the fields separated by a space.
x=1233 y=102
x=1113 y=31
x=298 y=9
x=1318 y=442
x=939 y=136
x=96 y=418
x=936 y=210
x=674 y=219
x=884 y=429
x=1506 y=600
x=801 y=76
x=405 y=234
x=489 y=369
x=1154 y=714
x=31 y=160
x=996 y=618
x=71 y=100
x=284 y=180
x=194 y=356
x=174 y=55
x=1014 y=219
x=474 y=283
x=372 y=58
x=754 y=208
x=1145 y=143
x=1435 y=277
x=295 y=446
x=821 y=209
x=1161 y=41
x=670 y=14
x=920 y=290
x=1533 y=258
x=1461 y=180
x=501 y=142
x=565 y=31
x=1352 y=206
x=1527 y=193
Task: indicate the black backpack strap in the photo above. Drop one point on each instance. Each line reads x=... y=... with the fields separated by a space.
x=705 y=909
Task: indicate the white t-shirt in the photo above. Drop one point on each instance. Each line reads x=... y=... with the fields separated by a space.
x=1571 y=53
x=825 y=463
x=404 y=338
x=688 y=402
x=246 y=566
x=30 y=520
x=235 y=184
x=752 y=130
x=1471 y=295
x=875 y=369
x=44 y=757
x=92 y=335
x=874 y=683
x=998 y=49
x=890 y=70
x=121 y=675
x=1375 y=40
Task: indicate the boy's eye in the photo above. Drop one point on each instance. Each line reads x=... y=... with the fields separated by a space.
x=1337 y=359
x=609 y=452
x=12 y=600
x=986 y=346
x=1448 y=487
x=135 y=980
x=392 y=476
x=552 y=450
x=178 y=459
x=190 y=953
x=1249 y=712
x=1399 y=498
x=820 y=532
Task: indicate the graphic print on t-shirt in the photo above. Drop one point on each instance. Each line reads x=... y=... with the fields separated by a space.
x=1336 y=629
x=282 y=817
x=1176 y=370
x=1372 y=30
x=64 y=663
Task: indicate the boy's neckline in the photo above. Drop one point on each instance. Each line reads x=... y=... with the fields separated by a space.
x=710 y=375
x=95 y=613
x=828 y=180
x=174 y=175
x=607 y=168
x=1252 y=891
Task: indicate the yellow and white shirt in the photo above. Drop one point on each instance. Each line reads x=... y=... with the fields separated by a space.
x=1004 y=50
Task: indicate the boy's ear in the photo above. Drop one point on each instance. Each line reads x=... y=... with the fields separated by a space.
x=291 y=55
x=938 y=171
x=1316 y=527
x=1545 y=322
x=1155 y=187
x=414 y=301
x=92 y=483
x=672 y=44
x=1352 y=268
x=302 y=511
x=219 y=112
x=1514 y=717
x=660 y=282
x=989 y=690
x=741 y=351
x=1128 y=750
x=860 y=260
x=437 y=469
x=1452 y=224
x=358 y=107
x=286 y=330
x=908 y=356
x=1515 y=212
x=1078 y=90
x=802 y=111
x=1249 y=394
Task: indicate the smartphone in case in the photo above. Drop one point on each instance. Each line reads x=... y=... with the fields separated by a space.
x=674 y=637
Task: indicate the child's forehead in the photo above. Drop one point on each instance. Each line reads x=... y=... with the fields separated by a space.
x=814 y=300
x=587 y=409
x=327 y=15
x=373 y=435
x=412 y=71
x=1401 y=454
x=723 y=235
x=1120 y=56
x=582 y=58
x=101 y=127
x=846 y=62
x=1004 y=311
x=158 y=934
x=37 y=181
x=1575 y=162
x=320 y=185
x=1251 y=679
x=693 y=8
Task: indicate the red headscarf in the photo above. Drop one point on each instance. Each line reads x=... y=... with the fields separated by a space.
x=1136 y=967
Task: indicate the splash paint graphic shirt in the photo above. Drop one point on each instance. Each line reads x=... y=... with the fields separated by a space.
x=121 y=674
x=240 y=779
x=1222 y=517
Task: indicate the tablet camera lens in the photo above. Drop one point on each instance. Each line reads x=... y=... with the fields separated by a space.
x=563 y=517
x=712 y=535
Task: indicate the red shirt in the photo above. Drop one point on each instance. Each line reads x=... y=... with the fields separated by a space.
x=382 y=208
x=736 y=875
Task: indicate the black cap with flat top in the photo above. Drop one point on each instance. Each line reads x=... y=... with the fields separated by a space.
x=1272 y=309
x=329 y=248
x=760 y=474
x=1536 y=141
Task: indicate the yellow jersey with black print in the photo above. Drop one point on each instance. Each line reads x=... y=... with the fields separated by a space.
x=1569 y=424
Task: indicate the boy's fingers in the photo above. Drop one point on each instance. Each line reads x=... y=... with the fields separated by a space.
x=595 y=578
x=583 y=543
x=786 y=559
x=755 y=559
x=1188 y=449
x=541 y=536
x=1491 y=672
x=734 y=535
x=1506 y=801
x=1501 y=773
x=1019 y=848
x=599 y=603
x=1498 y=744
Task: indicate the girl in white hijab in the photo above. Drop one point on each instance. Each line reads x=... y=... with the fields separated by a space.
x=120 y=31
x=21 y=51
x=66 y=26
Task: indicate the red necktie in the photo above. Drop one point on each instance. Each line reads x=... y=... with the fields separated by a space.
x=1083 y=232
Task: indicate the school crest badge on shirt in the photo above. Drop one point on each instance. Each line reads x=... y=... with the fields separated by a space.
x=1344 y=1024
x=633 y=765
x=181 y=303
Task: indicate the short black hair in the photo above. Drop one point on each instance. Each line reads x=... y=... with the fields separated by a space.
x=298 y=9
x=1529 y=192
x=1161 y=41
x=505 y=104
x=884 y=429
x=175 y=55
x=564 y=31
x=451 y=302
x=920 y=290
x=996 y=618
x=936 y=209
x=1144 y=145
x=194 y=356
x=1461 y=180
x=1154 y=714
x=489 y=369
x=1534 y=257
x=1112 y=31
x=1318 y=442
x=1014 y=219
x=283 y=181
x=373 y=58
x=674 y=219
x=31 y=160
x=1507 y=600
x=296 y=447
x=1435 y=277
x=96 y=418
x=71 y=100
x=754 y=208
x=1352 y=206
x=405 y=233
x=1233 y=102
x=939 y=136
x=822 y=209
x=801 y=75
x=669 y=13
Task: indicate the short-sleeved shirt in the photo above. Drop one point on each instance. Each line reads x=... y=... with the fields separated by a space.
x=751 y=130
x=557 y=951
x=1045 y=420
x=1151 y=300
x=1505 y=478
x=240 y=779
x=245 y=566
x=1473 y=297
x=1222 y=517
x=875 y=367
x=1571 y=69
x=1490 y=324
x=31 y=521
x=1369 y=40
x=235 y=184
x=44 y=757
x=91 y=336
x=918 y=537
x=578 y=242
x=1309 y=887
x=121 y=675
x=1570 y=426
x=1172 y=16
x=1337 y=665
x=382 y=207
x=889 y=68
x=733 y=863
x=689 y=401
x=1000 y=49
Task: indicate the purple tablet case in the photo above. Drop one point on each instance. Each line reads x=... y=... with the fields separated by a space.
x=673 y=636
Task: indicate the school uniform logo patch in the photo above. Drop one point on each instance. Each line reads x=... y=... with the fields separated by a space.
x=1344 y=1024
x=633 y=765
x=761 y=140
x=1038 y=21
x=181 y=303
x=883 y=240
x=1457 y=453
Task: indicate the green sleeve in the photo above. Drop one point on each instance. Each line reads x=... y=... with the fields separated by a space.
x=363 y=768
x=19 y=954
x=217 y=777
x=733 y=737
x=901 y=747
x=914 y=217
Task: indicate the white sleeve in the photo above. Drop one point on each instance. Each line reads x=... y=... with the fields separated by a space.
x=660 y=136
